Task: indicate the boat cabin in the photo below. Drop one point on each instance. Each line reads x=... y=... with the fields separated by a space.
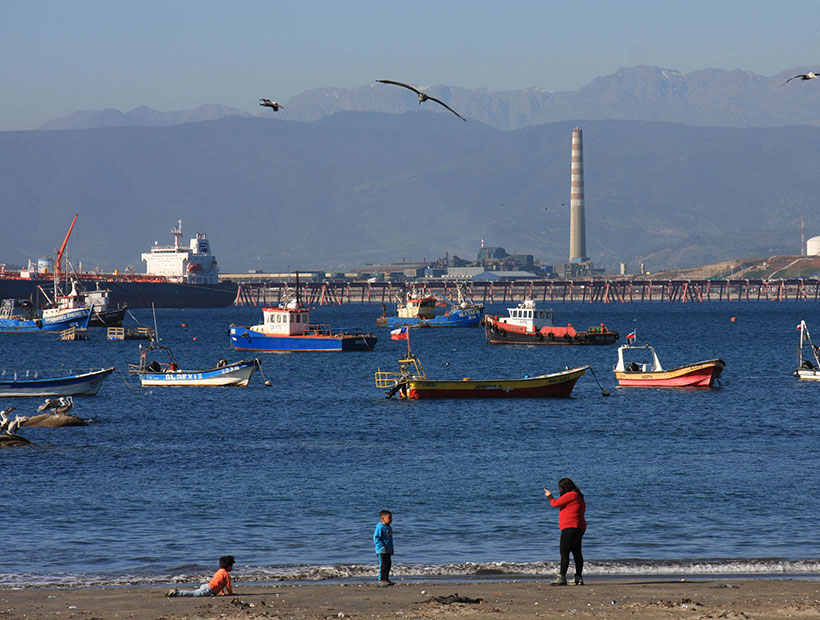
x=528 y=316
x=284 y=321
x=416 y=307
x=652 y=365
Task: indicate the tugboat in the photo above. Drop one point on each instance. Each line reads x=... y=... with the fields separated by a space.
x=527 y=324
x=287 y=328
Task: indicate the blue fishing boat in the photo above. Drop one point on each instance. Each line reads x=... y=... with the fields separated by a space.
x=288 y=328
x=19 y=316
x=420 y=311
x=19 y=384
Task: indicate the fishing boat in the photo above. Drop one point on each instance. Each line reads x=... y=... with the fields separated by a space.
x=651 y=374
x=168 y=372
x=526 y=324
x=288 y=328
x=20 y=316
x=37 y=384
x=808 y=366
x=412 y=383
x=417 y=310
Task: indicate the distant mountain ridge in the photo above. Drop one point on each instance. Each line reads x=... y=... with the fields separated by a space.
x=357 y=188
x=141 y=116
x=709 y=97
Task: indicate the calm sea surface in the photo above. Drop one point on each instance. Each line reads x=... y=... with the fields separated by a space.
x=290 y=478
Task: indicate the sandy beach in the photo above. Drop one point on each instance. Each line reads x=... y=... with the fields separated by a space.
x=699 y=599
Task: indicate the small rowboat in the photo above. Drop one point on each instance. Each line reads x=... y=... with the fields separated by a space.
x=412 y=383
x=652 y=374
x=86 y=383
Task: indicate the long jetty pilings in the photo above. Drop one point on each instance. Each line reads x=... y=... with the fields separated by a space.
x=546 y=291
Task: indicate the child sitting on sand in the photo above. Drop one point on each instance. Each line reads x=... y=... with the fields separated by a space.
x=220 y=584
x=383 y=539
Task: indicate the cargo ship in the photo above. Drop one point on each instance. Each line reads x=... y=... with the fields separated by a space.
x=176 y=277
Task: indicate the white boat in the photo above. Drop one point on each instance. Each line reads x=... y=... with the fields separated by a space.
x=808 y=366
x=70 y=384
x=155 y=373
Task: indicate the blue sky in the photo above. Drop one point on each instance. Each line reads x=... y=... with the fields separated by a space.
x=60 y=56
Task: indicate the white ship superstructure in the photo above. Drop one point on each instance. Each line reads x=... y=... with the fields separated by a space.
x=192 y=265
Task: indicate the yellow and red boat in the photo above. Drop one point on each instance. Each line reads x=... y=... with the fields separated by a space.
x=412 y=383
x=652 y=374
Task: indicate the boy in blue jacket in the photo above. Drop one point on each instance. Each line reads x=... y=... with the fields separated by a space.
x=383 y=539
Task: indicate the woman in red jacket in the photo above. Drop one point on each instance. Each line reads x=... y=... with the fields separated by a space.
x=573 y=525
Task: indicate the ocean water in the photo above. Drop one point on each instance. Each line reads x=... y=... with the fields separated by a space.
x=290 y=478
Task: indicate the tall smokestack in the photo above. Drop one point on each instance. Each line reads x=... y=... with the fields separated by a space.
x=577 y=225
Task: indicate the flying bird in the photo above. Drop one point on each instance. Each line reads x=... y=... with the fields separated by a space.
x=267 y=103
x=422 y=97
x=803 y=76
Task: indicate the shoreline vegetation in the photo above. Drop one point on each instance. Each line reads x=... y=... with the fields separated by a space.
x=638 y=599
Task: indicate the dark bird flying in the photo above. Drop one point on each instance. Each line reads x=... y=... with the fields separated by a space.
x=422 y=97
x=803 y=76
x=267 y=103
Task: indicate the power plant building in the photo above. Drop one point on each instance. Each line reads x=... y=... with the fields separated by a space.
x=579 y=263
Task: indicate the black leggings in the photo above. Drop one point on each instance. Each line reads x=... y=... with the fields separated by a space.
x=571 y=542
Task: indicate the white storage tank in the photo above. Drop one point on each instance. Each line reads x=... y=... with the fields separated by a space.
x=45 y=265
x=813 y=246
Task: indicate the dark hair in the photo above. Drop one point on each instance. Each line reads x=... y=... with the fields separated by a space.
x=226 y=562
x=385 y=512
x=565 y=485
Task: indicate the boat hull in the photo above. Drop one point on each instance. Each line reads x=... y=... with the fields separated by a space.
x=107 y=318
x=87 y=384
x=456 y=317
x=559 y=384
x=77 y=319
x=700 y=374
x=238 y=373
x=246 y=339
x=807 y=374
x=500 y=333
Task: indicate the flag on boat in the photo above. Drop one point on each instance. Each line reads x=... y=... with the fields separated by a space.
x=630 y=337
x=399 y=334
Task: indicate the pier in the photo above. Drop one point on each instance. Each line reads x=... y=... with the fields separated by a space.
x=616 y=291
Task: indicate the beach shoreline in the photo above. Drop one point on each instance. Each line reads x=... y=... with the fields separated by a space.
x=527 y=599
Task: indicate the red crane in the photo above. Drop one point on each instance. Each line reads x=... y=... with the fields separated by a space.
x=58 y=267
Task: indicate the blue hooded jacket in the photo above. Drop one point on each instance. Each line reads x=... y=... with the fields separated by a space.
x=383 y=538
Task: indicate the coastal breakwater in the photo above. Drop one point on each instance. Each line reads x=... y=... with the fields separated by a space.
x=545 y=291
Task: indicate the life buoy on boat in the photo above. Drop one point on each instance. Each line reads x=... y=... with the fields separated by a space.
x=550 y=336
x=539 y=335
x=38 y=323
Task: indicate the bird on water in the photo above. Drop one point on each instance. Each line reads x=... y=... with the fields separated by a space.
x=422 y=96
x=803 y=76
x=267 y=103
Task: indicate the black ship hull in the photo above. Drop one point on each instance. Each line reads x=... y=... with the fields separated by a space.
x=134 y=293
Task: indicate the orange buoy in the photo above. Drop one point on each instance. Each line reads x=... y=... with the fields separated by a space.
x=733 y=319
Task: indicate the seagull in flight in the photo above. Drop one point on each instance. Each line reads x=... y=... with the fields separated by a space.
x=803 y=76
x=267 y=103
x=422 y=97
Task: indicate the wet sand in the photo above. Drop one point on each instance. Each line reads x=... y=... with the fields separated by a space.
x=699 y=599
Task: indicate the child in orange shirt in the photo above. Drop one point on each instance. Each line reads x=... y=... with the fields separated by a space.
x=220 y=584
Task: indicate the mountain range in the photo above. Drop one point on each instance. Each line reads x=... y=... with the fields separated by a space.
x=362 y=187
x=710 y=97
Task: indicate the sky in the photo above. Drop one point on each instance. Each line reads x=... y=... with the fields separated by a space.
x=61 y=56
